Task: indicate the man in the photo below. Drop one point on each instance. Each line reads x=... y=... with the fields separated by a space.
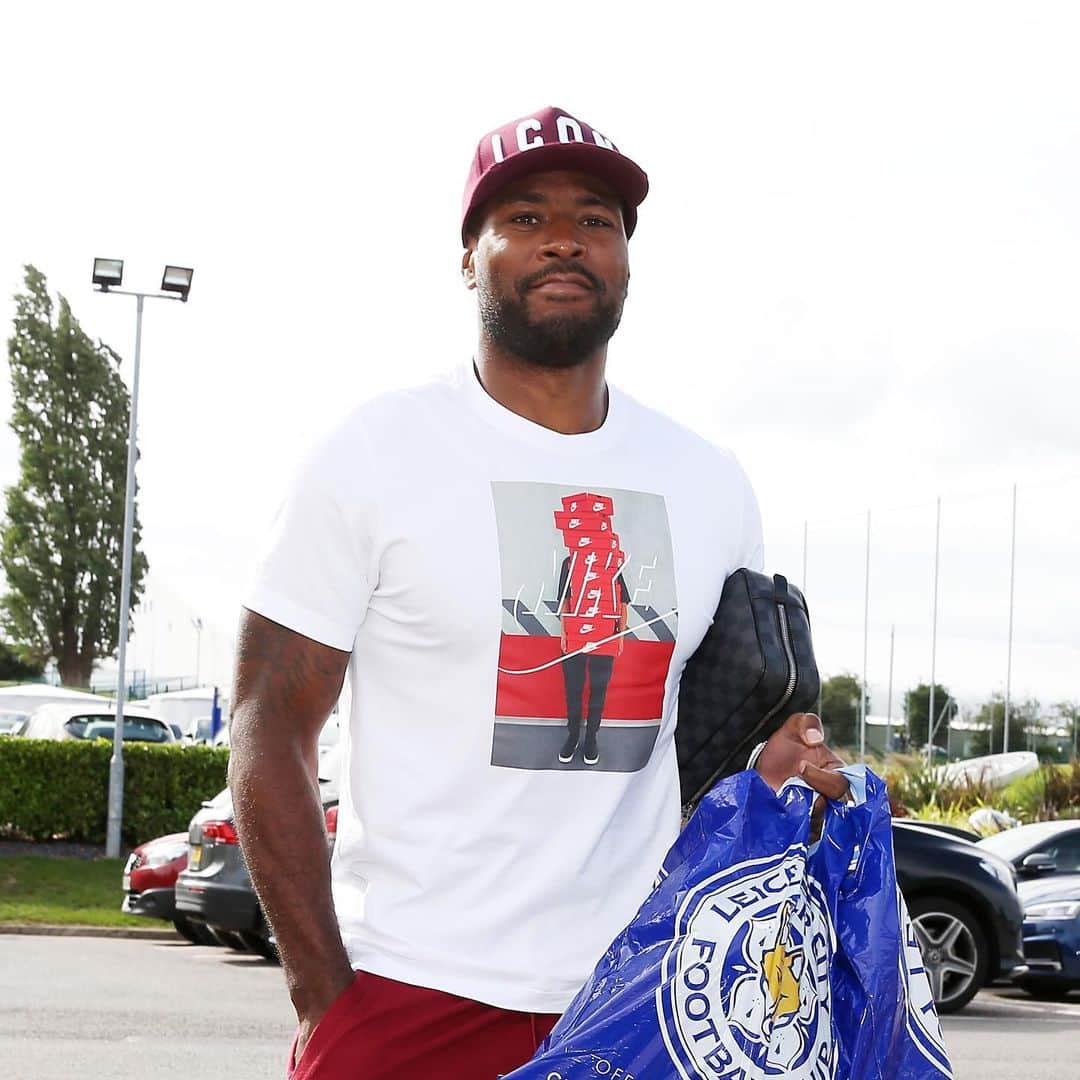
x=469 y=899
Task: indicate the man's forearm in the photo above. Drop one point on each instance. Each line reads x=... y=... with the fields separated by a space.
x=282 y=831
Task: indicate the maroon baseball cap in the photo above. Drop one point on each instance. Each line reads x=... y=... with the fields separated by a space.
x=548 y=139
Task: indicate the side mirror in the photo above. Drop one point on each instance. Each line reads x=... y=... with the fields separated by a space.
x=1037 y=863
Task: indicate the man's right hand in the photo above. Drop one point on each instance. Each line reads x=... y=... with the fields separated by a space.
x=311 y=1014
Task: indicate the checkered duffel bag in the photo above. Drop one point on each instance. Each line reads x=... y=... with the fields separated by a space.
x=753 y=669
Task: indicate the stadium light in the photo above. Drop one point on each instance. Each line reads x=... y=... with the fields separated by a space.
x=108 y=273
x=177 y=279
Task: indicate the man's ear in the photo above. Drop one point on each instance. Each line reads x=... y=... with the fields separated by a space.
x=468 y=268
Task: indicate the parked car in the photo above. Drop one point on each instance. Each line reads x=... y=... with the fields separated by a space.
x=12 y=722
x=1046 y=847
x=1046 y=856
x=1051 y=935
x=149 y=885
x=83 y=721
x=215 y=891
x=965 y=909
x=948 y=830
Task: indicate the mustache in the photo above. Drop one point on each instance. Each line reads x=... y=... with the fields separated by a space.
x=553 y=270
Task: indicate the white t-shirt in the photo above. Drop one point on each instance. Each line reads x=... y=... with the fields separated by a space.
x=429 y=535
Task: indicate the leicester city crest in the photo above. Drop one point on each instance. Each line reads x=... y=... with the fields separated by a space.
x=745 y=989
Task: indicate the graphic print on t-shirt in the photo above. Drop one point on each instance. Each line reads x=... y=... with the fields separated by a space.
x=590 y=618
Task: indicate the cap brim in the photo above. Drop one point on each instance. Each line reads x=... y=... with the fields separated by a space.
x=619 y=172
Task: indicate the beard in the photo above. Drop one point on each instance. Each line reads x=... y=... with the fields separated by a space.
x=556 y=341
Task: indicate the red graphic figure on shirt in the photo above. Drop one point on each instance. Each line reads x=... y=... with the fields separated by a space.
x=593 y=603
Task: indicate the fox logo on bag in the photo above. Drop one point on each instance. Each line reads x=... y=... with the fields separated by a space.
x=747 y=976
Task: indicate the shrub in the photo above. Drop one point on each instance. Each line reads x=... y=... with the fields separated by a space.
x=920 y=792
x=1052 y=792
x=59 y=789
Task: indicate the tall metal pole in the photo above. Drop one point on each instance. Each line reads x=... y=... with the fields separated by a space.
x=865 y=646
x=805 y=529
x=197 y=623
x=153 y=635
x=116 y=763
x=1008 y=665
x=933 y=638
x=805 y=547
x=888 y=721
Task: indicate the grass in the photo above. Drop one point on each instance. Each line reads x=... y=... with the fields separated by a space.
x=1051 y=792
x=69 y=892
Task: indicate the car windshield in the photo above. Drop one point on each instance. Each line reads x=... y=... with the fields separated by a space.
x=1065 y=851
x=136 y=728
x=1010 y=843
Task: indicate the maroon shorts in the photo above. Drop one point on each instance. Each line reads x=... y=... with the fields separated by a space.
x=378 y=1029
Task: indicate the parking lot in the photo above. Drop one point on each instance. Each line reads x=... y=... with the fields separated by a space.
x=127 y=1009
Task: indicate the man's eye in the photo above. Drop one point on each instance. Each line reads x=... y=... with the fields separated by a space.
x=598 y=221
x=525 y=219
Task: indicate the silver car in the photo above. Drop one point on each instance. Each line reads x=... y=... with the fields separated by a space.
x=215 y=890
x=87 y=721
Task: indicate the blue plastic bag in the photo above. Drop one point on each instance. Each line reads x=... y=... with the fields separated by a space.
x=759 y=956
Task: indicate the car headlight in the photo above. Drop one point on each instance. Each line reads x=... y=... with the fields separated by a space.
x=1054 y=909
x=1001 y=870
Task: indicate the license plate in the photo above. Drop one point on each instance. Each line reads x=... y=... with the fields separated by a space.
x=195 y=857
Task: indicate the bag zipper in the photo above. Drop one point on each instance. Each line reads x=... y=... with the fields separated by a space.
x=793 y=678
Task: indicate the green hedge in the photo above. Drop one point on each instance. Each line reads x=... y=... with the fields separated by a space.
x=59 y=790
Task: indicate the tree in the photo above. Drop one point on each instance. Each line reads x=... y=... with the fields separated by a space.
x=12 y=667
x=1023 y=716
x=840 y=697
x=62 y=539
x=1069 y=714
x=917 y=711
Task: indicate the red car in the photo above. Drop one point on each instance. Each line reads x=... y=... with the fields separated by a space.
x=150 y=884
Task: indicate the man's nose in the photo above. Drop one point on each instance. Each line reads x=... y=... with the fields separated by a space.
x=563 y=241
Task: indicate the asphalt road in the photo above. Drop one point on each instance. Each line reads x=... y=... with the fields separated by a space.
x=103 y=1009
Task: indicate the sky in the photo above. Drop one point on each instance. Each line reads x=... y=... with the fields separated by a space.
x=857 y=267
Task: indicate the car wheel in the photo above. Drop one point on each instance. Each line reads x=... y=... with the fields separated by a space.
x=257 y=943
x=229 y=938
x=954 y=950
x=186 y=930
x=203 y=936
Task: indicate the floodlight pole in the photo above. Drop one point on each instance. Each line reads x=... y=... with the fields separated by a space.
x=933 y=640
x=888 y=721
x=116 y=762
x=865 y=646
x=1008 y=663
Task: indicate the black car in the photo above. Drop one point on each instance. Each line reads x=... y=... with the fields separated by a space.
x=965 y=908
x=214 y=891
